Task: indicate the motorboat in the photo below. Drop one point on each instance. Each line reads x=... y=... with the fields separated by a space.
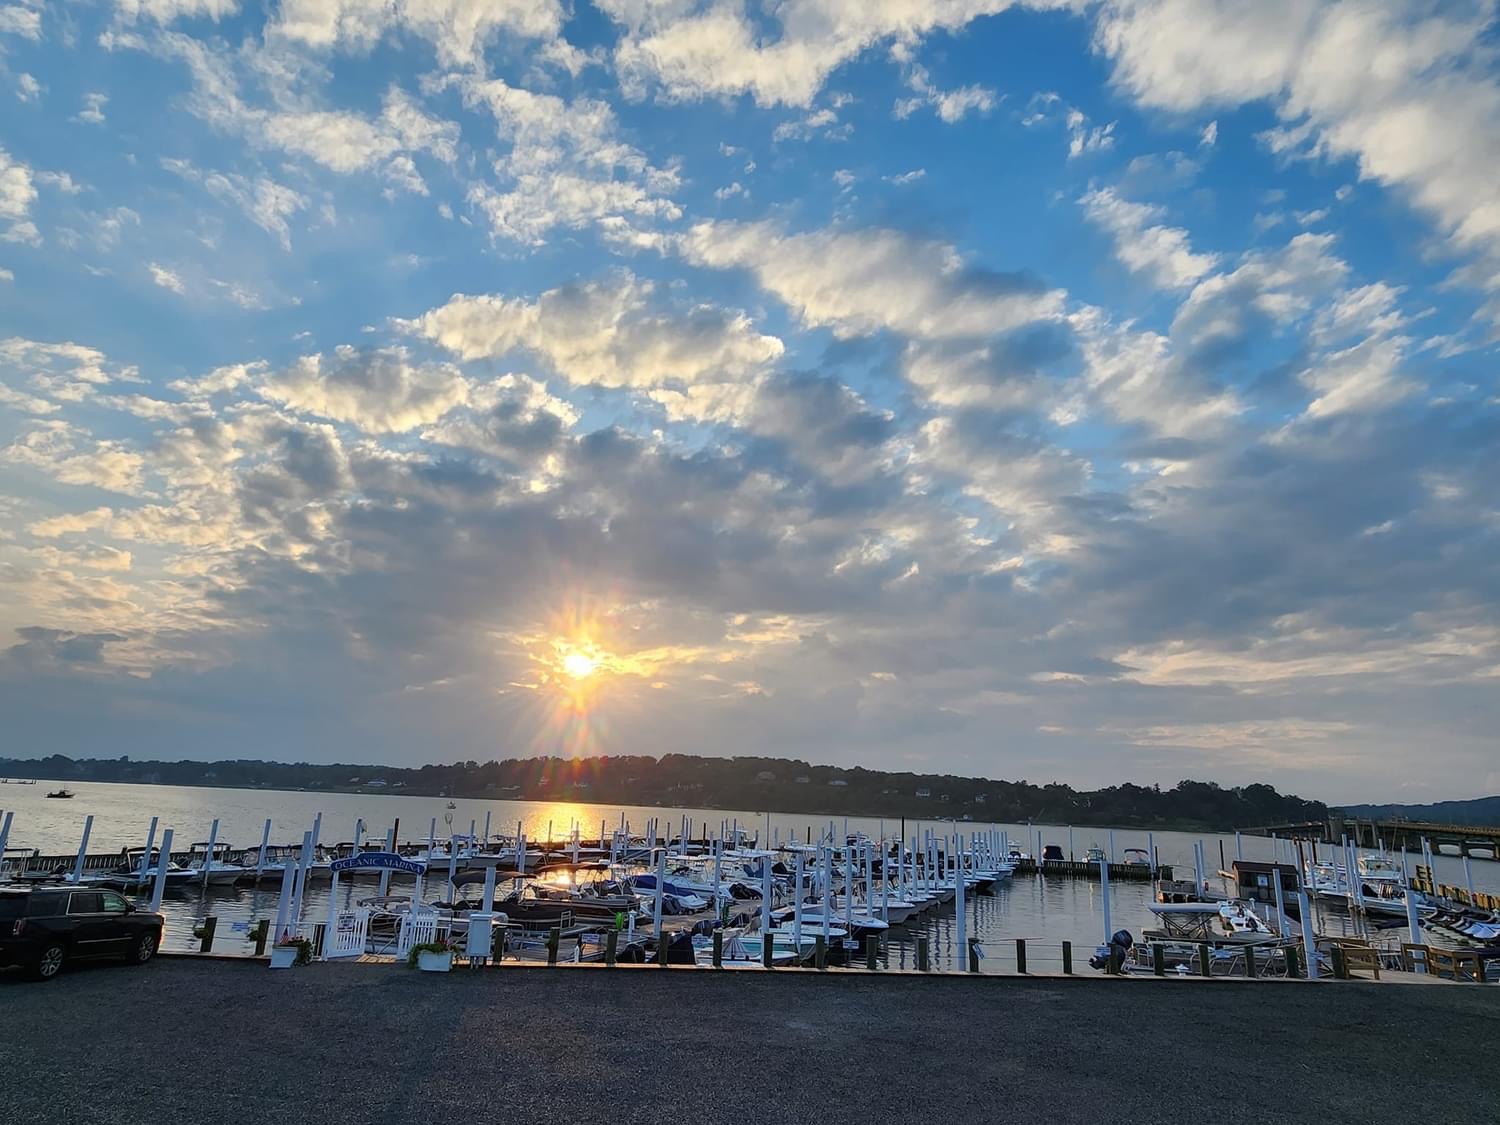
x=213 y=866
x=135 y=869
x=61 y=795
x=1053 y=853
x=1137 y=857
x=1378 y=887
x=1233 y=921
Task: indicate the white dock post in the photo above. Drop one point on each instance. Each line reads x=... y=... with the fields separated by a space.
x=1239 y=845
x=486 y=846
x=5 y=832
x=848 y=886
x=961 y=947
x=83 y=847
x=1468 y=874
x=489 y=887
x=1151 y=852
x=719 y=875
x=260 y=857
x=1104 y=899
x=385 y=874
x=1413 y=924
x=885 y=883
x=1309 y=943
x=521 y=854
x=299 y=888
x=208 y=859
x=161 y=870
x=452 y=865
x=661 y=877
x=146 y=856
x=1198 y=866
x=765 y=901
x=1280 y=906
x=797 y=911
x=332 y=920
x=1070 y=843
x=284 y=899
x=1111 y=845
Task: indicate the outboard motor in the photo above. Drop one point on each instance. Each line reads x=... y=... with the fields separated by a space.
x=1112 y=957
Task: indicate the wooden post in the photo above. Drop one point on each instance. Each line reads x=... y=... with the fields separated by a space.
x=1204 y=960
x=611 y=947
x=1293 y=960
x=767 y=942
x=1020 y=955
x=974 y=954
x=922 y=953
x=553 y=936
x=719 y=948
x=259 y=934
x=820 y=949
x=1067 y=958
x=1158 y=959
x=1340 y=968
x=206 y=934
x=872 y=952
x=1250 y=961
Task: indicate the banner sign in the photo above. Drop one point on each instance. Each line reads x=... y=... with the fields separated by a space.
x=378 y=861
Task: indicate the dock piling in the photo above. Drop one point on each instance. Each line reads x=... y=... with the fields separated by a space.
x=1067 y=958
x=922 y=963
x=553 y=937
x=205 y=934
x=612 y=945
x=718 y=947
x=1158 y=959
x=1205 y=963
x=1020 y=956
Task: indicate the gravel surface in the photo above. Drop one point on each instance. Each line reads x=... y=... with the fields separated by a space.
x=329 y=1044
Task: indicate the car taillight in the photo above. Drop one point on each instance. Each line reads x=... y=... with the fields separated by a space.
x=19 y=928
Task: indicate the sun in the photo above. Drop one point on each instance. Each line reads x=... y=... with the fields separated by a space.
x=579 y=665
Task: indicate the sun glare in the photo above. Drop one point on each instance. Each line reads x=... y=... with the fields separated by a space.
x=579 y=665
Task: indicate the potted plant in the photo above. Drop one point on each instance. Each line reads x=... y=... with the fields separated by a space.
x=289 y=951
x=432 y=956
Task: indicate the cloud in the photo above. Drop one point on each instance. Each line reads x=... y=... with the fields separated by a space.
x=28 y=89
x=1162 y=253
x=24 y=22
x=165 y=11
x=606 y=333
x=950 y=105
x=166 y=278
x=458 y=29
x=92 y=112
x=718 y=48
x=380 y=391
x=72 y=457
x=265 y=202
x=17 y=194
x=861 y=281
x=1426 y=121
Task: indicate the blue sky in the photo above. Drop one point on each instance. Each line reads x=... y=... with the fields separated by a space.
x=1078 y=391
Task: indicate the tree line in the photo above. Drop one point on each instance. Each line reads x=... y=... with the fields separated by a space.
x=752 y=784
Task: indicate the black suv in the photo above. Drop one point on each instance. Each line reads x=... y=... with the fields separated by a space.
x=42 y=927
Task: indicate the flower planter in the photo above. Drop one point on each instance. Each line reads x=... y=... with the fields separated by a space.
x=283 y=956
x=430 y=962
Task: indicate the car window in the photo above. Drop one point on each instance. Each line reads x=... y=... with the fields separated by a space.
x=44 y=905
x=113 y=903
x=85 y=902
x=12 y=906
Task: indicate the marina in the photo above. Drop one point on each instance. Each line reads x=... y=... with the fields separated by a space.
x=752 y=890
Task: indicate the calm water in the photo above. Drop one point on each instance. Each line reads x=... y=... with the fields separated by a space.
x=1044 y=911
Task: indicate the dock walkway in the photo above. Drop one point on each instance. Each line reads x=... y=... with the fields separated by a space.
x=213 y=1041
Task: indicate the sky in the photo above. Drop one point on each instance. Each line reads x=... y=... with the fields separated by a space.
x=1077 y=391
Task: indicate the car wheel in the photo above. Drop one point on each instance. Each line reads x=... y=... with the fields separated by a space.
x=145 y=949
x=50 y=963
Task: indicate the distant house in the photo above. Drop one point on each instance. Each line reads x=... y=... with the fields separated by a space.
x=765 y=775
x=981 y=798
x=944 y=797
x=355 y=780
x=375 y=783
x=924 y=793
x=803 y=780
x=838 y=781
x=399 y=785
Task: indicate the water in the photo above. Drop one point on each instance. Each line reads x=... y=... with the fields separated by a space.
x=1045 y=912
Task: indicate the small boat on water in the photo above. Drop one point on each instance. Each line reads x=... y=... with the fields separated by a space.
x=61 y=795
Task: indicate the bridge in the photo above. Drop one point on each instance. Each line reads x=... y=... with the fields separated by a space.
x=1393 y=832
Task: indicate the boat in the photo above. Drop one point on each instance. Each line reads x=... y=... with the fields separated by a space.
x=1053 y=853
x=1378 y=887
x=135 y=869
x=1137 y=857
x=61 y=795
x=213 y=867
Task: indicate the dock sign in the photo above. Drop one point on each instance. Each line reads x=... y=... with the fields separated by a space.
x=378 y=861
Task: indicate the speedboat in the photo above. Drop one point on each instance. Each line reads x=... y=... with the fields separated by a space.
x=215 y=868
x=135 y=870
